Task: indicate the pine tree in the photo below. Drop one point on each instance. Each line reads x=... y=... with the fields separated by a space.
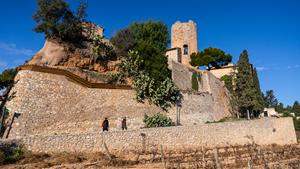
x=270 y=99
x=259 y=100
x=245 y=90
x=56 y=20
x=296 y=108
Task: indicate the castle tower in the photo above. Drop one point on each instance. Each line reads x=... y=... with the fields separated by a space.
x=184 y=36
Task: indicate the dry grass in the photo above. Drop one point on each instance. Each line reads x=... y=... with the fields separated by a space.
x=231 y=157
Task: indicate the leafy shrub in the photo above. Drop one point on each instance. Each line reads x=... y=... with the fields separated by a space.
x=158 y=120
x=113 y=78
x=101 y=51
x=2 y=157
x=161 y=93
x=15 y=155
x=228 y=82
x=195 y=81
x=296 y=124
x=7 y=76
x=10 y=154
x=166 y=95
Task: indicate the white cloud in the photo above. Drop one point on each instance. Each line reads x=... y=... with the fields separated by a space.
x=11 y=48
x=260 y=68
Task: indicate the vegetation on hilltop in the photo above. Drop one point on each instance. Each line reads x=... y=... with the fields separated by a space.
x=150 y=39
x=210 y=57
x=144 y=61
x=84 y=46
x=56 y=20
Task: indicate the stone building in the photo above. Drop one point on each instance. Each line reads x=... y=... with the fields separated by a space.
x=229 y=70
x=183 y=41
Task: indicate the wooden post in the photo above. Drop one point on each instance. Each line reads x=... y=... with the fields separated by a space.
x=105 y=148
x=248 y=115
x=143 y=142
x=249 y=164
x=216 y=158
x=203 y=157
x=162 y=156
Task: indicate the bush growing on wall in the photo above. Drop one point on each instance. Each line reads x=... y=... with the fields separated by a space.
x=195 y=81
x=11 y=154
x=161 y=93
x=228 y=82
x=158 y=120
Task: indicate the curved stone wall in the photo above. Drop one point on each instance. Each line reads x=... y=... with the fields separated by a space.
x=50 y=104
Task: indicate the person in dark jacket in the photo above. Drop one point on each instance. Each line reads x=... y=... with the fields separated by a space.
x=105 y=125
x=124 y=125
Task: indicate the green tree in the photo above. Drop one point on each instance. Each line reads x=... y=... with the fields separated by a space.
x=210 y=57
x=245 y=90
x=123 y=41
x=143 y=46
x=56 y=20
x=150 y=40
x=270 y=99
x=161 y=93
x=101 y=51
x=228 y=82
x=280 y=108
x=259 y=100
x=296 y=108
x=7 y=77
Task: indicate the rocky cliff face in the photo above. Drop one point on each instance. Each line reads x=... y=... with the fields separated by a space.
x=64 y=55
x=51 y=54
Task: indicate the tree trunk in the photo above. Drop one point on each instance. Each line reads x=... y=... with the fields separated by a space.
x=248 y=115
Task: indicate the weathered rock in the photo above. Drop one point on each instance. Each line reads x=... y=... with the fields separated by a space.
x=51 y=54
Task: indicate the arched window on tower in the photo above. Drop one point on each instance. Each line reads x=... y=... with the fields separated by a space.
x=185 y=49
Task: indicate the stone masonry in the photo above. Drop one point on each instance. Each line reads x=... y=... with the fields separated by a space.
x=266 y=131
x=50 y=104
x=184 y=35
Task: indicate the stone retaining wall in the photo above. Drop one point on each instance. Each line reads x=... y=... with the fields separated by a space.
x=50 y=104
x=262 y=131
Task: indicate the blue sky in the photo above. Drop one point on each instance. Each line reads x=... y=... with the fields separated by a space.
x=268 y=29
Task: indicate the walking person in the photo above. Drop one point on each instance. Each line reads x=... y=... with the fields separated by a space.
x=124 y=125
x=105 y=125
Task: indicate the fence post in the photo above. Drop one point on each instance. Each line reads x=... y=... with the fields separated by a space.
x=105 y=147
x=163 y=156
x=216 y=158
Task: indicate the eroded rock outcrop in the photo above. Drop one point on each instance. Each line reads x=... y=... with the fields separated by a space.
x=51 y=54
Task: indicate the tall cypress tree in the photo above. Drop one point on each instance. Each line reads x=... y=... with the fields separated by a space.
x=296 y=108
x=259 y=100
x=245 y=91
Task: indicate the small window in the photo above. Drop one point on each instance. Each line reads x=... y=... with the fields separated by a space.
x=185 y=50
